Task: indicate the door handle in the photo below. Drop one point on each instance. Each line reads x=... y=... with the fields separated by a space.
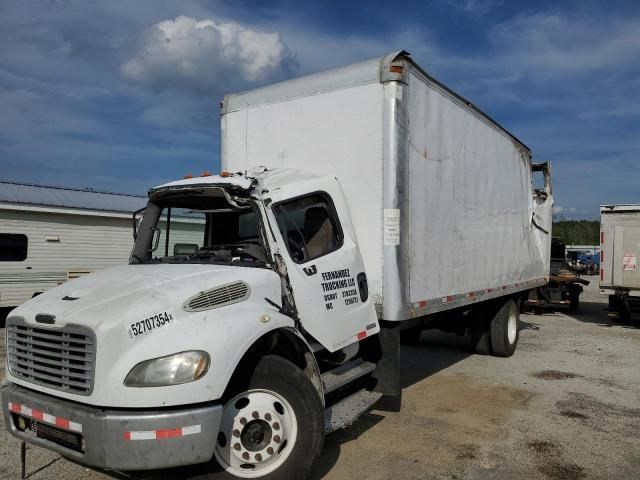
x=363 y=286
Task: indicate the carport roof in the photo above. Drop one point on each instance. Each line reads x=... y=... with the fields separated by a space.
x=62 y=197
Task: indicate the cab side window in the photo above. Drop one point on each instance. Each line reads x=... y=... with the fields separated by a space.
x=309 y=226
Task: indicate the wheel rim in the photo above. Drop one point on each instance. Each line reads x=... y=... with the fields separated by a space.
x=512 y=327
x=257 y=433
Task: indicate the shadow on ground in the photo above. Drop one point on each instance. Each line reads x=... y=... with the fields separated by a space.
x=597 y=313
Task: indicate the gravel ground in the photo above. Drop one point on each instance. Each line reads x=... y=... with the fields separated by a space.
x=565 y=407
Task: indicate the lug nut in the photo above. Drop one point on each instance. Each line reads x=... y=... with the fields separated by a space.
x=237 y=446
x=255 y=414
x=243 y=421
x=276 y=426
x=245 y=455
x=258 y=457
x=276 y=438
x=236 y=433
x=270 y=450
x=267 y=417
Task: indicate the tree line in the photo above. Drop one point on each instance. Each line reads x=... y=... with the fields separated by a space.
x=577 y=232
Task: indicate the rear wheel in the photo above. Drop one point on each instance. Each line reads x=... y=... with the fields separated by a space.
x=504 y=329
x=480 y=337
x=273 y=428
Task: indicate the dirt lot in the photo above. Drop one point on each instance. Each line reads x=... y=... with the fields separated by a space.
x=565 y=407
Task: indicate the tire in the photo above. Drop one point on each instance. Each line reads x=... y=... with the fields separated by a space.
x=504 y=329
x=480 y=338
x=274 y=423
x=574 y=302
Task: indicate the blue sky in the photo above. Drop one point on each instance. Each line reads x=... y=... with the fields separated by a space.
x=122 y=95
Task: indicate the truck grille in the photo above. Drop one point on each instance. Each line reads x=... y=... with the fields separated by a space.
x=62 y=359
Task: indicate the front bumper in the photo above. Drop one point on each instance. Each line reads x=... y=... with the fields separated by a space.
x=112 y=439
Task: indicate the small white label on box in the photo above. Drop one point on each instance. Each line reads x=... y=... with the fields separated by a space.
x=391 y=226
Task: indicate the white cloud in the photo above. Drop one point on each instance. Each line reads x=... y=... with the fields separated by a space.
x=479 y=7
x=549 y=44
x=206 y=56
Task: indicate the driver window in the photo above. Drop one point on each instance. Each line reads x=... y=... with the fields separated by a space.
x=309 y=227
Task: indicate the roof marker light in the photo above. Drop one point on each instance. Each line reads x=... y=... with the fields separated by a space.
x=205 y=174
x=187 y=176
x=225 y=174
x=396 y=69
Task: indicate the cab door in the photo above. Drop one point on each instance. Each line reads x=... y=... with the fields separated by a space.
x=326 y=271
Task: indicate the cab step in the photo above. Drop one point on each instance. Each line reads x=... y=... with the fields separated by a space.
x=344 y=374
x=347 y=411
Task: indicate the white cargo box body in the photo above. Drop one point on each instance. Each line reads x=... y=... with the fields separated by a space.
x=620 y=248
x=440 y=195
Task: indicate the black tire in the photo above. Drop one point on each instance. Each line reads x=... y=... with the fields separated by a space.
x=504 y=339
x=278 y=375
x=480 y=338
x=574 y=302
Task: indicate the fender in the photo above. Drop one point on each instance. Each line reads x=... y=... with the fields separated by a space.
x=291 y=345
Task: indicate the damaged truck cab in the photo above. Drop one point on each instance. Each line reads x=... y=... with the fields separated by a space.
x=212 y=323
x=273 y=315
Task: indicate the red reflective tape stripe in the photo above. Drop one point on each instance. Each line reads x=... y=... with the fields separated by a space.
x=174 y=432
x=422 y=304
x=449 y=298
x=489 y=290
x=601 y=237
x=601 y=273
x=472 y=294
x=601 y=256
x=15 y=407
x=127 y=435
x=62 y=423
x=362 y=335
x=37 y=414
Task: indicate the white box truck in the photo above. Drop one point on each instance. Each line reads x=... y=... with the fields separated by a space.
x=391 y=205
x=619 y=251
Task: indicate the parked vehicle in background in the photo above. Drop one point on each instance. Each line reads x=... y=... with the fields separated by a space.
x=564 y=287
x=619 y=251
x=392 y=204
x=49 y=235
x=583 y=262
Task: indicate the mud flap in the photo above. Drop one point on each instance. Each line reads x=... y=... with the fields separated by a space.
x=387 y=372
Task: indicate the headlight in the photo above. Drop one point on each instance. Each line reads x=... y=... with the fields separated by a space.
x=175 y=369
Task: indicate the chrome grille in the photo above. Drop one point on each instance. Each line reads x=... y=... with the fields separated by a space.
x=217 y=297
x=62 y=358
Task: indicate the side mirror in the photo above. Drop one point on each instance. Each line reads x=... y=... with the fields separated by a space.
x=156 y=239
x=135 y=221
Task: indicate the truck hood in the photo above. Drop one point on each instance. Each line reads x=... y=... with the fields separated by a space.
x=130 y=292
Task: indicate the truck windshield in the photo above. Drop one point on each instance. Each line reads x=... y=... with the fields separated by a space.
x=197 y=234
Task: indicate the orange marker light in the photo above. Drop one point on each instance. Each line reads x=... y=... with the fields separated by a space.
x=187 y=176
x=225 y=174
x=396 y=69
x=205 y=174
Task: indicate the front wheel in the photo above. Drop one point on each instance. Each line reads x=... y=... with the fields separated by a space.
x=273 y=428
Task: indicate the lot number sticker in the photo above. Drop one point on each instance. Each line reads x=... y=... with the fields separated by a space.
x=629 y=262
x=151 y=323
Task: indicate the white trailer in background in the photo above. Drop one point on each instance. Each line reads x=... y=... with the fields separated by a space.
x=49 y=235
x=391 y=205
x=619 y=265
